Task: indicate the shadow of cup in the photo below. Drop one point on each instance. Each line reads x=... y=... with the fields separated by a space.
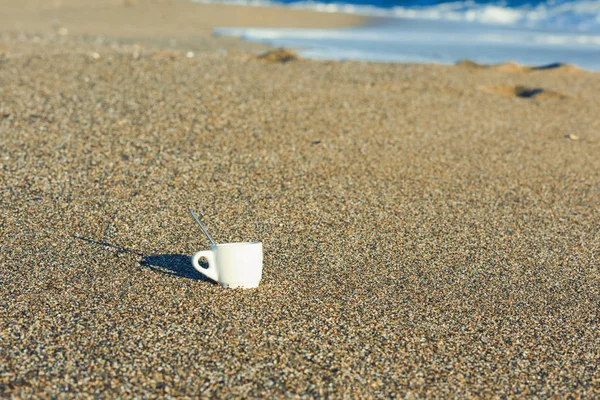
x=178 y=265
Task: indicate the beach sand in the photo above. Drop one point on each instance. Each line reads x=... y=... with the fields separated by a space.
x=429 y=231
x=166 y=23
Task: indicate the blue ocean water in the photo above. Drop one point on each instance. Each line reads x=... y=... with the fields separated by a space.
x=531 y=32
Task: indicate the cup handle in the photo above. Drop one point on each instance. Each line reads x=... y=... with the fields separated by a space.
x=211 y=271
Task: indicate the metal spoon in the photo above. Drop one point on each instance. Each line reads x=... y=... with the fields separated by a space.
x=203 y=228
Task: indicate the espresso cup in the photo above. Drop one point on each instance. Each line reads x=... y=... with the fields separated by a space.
x=233 y=265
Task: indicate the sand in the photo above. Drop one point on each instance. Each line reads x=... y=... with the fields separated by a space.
x=165 y=23
x=429 y=231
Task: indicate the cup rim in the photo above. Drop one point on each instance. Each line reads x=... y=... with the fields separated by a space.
x=232 y=244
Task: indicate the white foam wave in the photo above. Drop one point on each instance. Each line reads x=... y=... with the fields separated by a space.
x=269 y=35
x=583 y=15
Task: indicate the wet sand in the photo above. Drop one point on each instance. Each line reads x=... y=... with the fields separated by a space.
x=428 y=230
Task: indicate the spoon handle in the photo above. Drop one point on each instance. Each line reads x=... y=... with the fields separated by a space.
x=203 y=228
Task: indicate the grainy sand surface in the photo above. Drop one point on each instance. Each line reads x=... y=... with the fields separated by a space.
x=429 y=231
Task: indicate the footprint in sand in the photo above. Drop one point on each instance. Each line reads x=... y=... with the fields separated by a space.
x=523 y=92
x=280 y=55
x=515 y=68
x=519 y=90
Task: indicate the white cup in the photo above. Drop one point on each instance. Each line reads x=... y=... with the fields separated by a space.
x=233 y=265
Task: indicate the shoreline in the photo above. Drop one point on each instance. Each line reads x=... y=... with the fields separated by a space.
x=180 y=25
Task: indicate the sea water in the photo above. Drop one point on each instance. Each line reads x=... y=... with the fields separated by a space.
x=531 y=32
